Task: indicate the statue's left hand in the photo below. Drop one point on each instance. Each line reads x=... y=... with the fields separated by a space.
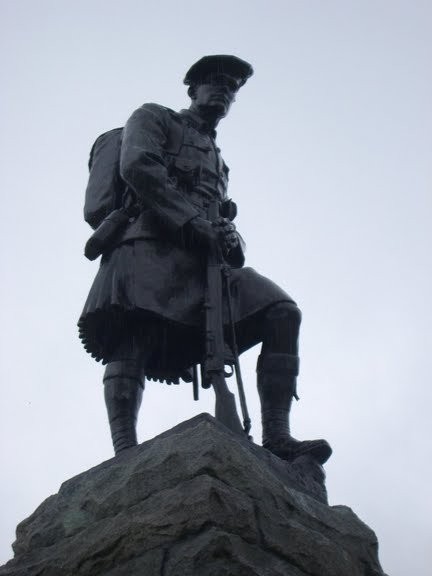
x=228 y=233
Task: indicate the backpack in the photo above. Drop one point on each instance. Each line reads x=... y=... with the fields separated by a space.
x=105 y=186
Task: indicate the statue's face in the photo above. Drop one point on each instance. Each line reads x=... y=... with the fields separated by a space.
x=218 y=93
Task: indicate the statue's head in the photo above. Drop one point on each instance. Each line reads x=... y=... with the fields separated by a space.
x=214 y=81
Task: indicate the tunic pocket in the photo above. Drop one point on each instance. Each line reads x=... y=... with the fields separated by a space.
x=196 y=140
x=184 y=172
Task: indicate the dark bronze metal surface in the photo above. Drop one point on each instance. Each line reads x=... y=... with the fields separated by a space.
x=158 y=305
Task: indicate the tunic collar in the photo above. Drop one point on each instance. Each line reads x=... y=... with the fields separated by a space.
x=198 y=123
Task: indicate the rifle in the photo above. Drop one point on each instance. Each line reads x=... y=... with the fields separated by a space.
x=213 y=366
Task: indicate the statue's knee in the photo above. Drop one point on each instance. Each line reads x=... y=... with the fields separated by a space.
x=124 y=370
x=286 y=311
x=278 y=363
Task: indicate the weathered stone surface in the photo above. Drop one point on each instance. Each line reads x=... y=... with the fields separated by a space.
x=196 y=500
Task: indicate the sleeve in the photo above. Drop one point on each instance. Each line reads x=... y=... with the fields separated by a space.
x=143 y=166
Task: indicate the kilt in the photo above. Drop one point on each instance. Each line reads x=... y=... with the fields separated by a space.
x=151 y=291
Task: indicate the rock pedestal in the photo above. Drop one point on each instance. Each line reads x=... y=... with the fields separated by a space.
x=196 y=500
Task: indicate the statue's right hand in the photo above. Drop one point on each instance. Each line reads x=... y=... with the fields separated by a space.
x=202 y=233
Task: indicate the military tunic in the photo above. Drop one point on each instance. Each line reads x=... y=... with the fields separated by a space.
x=149 y=289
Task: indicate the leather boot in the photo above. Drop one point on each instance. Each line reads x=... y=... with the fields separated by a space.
x=277 y=374
x=123 y=396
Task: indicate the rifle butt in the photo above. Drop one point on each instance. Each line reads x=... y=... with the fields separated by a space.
x=226 y=410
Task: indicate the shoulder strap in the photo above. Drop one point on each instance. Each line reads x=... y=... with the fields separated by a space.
x=175 y=134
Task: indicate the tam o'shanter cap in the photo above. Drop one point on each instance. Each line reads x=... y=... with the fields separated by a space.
x=219 y=64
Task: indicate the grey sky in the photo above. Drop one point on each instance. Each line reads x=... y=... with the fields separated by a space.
x=329 y=146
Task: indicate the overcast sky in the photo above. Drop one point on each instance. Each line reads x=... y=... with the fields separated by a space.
x=329 y=146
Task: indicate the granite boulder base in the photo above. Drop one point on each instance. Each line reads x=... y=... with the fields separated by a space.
x=196 y=500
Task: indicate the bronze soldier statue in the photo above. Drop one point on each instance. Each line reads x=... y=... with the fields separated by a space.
x=144 y=315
